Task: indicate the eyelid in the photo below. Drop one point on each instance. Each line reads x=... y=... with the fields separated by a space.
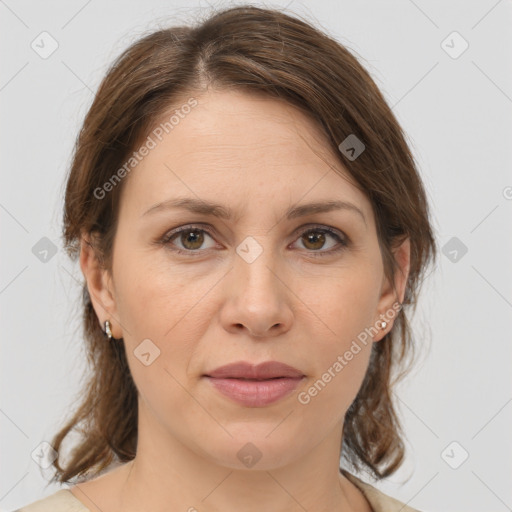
x=306 y=228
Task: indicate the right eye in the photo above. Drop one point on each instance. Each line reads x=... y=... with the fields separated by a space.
x=191 y=239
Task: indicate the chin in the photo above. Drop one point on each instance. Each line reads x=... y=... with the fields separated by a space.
x=259 y=447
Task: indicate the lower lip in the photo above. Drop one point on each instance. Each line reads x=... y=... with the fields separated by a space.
x=256 y=393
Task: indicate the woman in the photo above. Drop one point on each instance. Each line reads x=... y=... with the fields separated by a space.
x=252 y=231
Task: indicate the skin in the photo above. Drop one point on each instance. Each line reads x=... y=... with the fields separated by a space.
x=257 y=156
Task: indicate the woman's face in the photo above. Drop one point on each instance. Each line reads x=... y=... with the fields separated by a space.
x=260 y=285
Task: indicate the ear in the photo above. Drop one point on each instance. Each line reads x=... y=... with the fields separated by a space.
x=100 y=286
x=388 y=308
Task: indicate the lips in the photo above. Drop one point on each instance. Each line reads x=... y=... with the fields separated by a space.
x=255 y=386
x=262 y=371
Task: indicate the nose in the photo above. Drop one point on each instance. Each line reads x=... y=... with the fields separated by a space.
x=257 y=299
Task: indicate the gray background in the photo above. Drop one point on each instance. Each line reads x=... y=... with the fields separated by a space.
x=457 y=114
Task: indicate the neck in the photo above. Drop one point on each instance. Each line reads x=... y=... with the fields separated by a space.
x=170 y=472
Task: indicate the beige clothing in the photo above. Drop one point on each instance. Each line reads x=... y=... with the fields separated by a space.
x=64 y=501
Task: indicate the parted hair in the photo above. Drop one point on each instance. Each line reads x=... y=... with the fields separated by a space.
x=259 y=51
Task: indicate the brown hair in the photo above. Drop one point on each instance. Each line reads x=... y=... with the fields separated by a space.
x=259 y=51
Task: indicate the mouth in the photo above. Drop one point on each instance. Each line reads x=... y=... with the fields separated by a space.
x=249 y=371
x=255 y=392
x=249 y=379
x=255 y=385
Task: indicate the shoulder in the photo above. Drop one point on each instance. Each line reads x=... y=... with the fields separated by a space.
x=64 y=501
x=379 y=501
x=60 y=501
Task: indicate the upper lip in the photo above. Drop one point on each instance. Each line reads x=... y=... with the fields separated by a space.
x=244 y=370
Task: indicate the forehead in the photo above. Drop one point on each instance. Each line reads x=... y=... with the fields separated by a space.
x=233 y=145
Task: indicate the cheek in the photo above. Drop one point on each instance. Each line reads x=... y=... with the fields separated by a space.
x=164 y=314
x=346 y=307
x=340 y=370
x=345 y=303
x=155 y=299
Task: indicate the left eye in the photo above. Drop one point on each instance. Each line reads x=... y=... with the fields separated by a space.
x=316 y=238
x=192 y=239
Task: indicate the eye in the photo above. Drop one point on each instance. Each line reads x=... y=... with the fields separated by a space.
x=191 y=239
x=317 y=238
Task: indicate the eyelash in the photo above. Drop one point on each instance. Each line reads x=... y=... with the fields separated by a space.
x=343 y=241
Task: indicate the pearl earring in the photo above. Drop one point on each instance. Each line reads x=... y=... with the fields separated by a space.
x=108 y=330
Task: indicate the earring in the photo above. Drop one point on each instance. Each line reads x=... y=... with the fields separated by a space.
x=383 y=324
x=108 y=330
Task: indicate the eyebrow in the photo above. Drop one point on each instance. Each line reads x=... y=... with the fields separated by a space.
x=217 y=210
